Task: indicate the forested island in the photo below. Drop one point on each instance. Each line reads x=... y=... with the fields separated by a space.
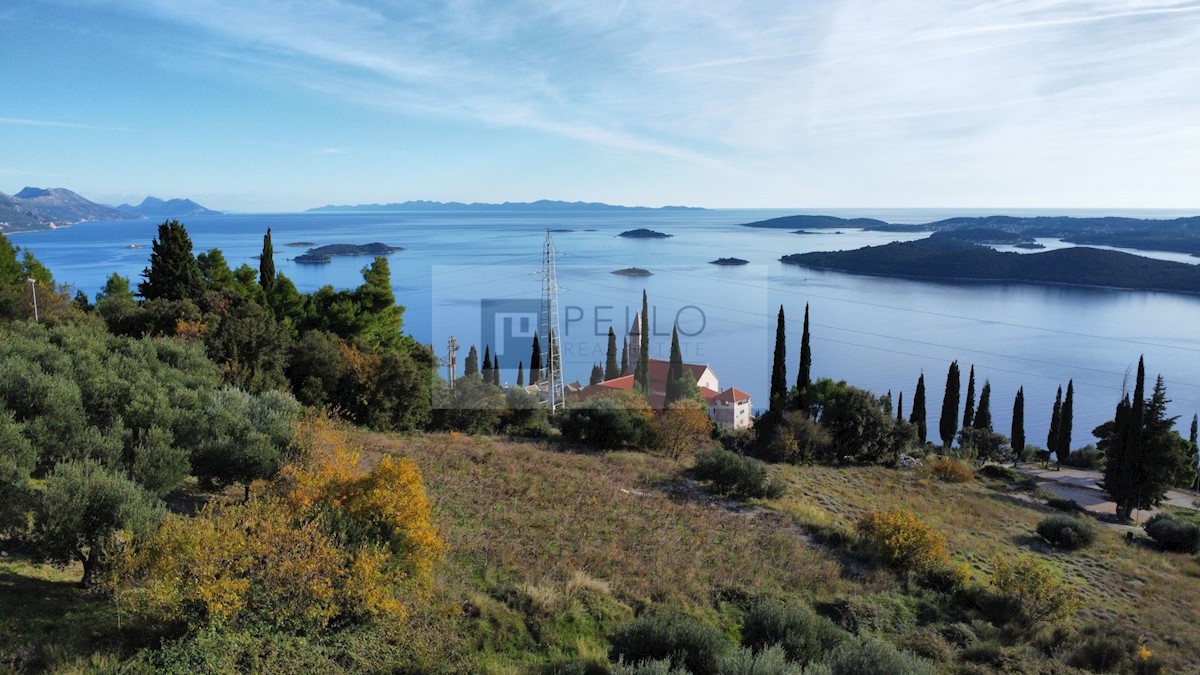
x=946 y=258
x=643 y=233
x=1180 y=235
x=728 y=261
x=325 y=254
x=633 y=272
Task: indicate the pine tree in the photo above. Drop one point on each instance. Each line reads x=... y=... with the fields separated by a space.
x=804 y=374
x=1055 y=425
x=535 y=361
x=471 y=365
x=948 y=425
x=900 y=407
x=983 y=415
x=597 y=375
x=1017 y=440
x=1065 y=423
x=496 y=370
x=266 y=267
x=969 y=411
x=520 y=373
x=779 y=366
x=674 y=371
x=624 y=356
x=918 y=417
x=173 y=273
x=611 y=368
x=486 y=372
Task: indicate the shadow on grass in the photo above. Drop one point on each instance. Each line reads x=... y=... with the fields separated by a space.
x=45 y=622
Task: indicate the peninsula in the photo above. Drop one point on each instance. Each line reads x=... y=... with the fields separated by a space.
x=948 y=259
x=1180 y=235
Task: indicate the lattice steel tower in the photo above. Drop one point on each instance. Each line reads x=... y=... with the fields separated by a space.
x=550 y=384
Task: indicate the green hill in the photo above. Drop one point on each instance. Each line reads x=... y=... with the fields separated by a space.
x=947 y=259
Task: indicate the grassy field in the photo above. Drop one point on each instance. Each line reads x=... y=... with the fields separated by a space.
x=550 y=551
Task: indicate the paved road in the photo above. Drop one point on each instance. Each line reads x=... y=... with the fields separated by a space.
x=1083 y=487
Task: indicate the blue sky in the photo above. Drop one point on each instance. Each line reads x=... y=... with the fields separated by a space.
x=268 y=105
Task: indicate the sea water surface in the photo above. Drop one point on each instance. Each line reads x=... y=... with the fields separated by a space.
x=876 y=333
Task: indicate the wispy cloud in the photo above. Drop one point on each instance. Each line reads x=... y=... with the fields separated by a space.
x=57 y=124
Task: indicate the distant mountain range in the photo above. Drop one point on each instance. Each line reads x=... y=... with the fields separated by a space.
x=153 y=207
x=949 y=259
x=540 y=205
x=1181 y=235
x=38 y=208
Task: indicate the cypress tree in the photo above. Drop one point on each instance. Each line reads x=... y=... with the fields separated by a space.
x=624 y=356
x=1017 y=439
x=674 y=371
x=1055 y=425
x=900 y=408
x=1065 y=423
x=266 y=266
x=779 y=366
x=948 y=424
x=520 y=373
x=535 y=361
x=1192 y=436
x=487 y=374
x=496 y=370
x=1127 y=478
x=471 y=366
x=983 y=416
x=804 y=375
x=642 y=372
x=918 y=417
x=969 y=411
x=611 y=369
x=597 y=375
x=886 y=402
x=173 y=273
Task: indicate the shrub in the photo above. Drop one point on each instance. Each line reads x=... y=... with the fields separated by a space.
x=736 y=476
x=867 y=614
x=1062 y=504
x=685 y=640
x=802 y=634
x=647 y=667
x=945 y=578
x=798 y=439
x=606 y=424
x=1033 y=590
x=927 y=643
x=870 y=656
x=768 y=661
x=949 y=470
x=1087 y=457
x=682 y=429
x=999 y=472
x=1105 y=648
x=1067 y=532
x=1173 y=534
x=902 y=540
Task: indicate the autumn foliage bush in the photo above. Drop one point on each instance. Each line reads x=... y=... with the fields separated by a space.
x=902 y=540
x=950 y=470
x=326 y=542
x=1033 y=590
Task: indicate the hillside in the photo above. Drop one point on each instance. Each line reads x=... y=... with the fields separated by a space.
x=34 y=208
x=153 y=207
x=540 y=205
x=945 y=258
x=1181 y=235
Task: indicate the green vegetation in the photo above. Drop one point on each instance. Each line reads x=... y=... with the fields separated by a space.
x=951 y=260
x=1067 y=532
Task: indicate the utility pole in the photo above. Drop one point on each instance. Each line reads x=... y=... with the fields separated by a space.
x=551 y=375
x=451 y=360
x=33 y=292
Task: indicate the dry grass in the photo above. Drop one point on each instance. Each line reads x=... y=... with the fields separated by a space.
x=1133 y=586
x=518 y=513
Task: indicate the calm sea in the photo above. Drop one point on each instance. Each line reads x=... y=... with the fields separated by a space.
x=461 y=270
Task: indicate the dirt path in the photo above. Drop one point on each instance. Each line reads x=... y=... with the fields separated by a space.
x=1082 y=486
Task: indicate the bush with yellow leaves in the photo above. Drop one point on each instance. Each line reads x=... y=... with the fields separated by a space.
x=324 y=542
x=903 y=540
x=1034 y=590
